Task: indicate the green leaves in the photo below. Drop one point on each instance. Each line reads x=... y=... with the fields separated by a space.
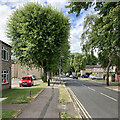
x=39 y=33
x=103 y=34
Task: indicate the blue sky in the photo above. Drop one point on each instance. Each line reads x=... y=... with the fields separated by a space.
x=7 y=7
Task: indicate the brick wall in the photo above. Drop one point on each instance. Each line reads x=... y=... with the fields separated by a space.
x=19 y=71
x=6 y=65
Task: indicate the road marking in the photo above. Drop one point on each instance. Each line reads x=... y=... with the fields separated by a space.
x=108 y=96
x=81 y=107
x=91 y=89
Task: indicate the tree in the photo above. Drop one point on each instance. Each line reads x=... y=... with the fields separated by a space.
x=91 y=59
x=39 y=36
x=77 y=61
x=103 y=34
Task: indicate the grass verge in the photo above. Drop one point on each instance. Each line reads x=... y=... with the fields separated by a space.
x=42 y=84
x=99 y=80
x=9 y=114
x=64 y=96
x=20 y=95
x=115 y=83
x=66 y=116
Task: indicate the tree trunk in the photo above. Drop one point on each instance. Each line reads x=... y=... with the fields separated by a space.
x=108 y=68
x=76 y=72
x=45 y=74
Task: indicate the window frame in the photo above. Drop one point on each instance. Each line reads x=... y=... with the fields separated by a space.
x=5 y=73
x=5 y=54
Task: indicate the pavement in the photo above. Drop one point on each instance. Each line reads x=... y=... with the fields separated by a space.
x=46 y=105
x=103 y=84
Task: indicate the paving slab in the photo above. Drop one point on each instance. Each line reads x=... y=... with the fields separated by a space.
x=46 y=101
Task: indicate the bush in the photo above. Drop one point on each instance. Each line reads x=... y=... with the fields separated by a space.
x=113 y=76
x=79 y=74
x=42 y=77
x=104 y=75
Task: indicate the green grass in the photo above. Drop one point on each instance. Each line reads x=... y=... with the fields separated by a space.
x=66 y=116
x=100 y=80
x=86 y=80
x=115 y=83
x=20 y=95
x=64 y=96
x=8 y=114
x=42 y=84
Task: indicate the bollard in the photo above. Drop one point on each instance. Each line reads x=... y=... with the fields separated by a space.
x=30 y=93
x=48 y=82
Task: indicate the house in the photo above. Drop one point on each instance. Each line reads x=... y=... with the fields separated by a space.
x=93 y=69
x=5 y=65
x=19 y=71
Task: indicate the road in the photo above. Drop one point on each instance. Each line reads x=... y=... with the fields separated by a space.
x=99 y=102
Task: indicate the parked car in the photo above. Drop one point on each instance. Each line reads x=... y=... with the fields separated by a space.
x=84 y=76
x=75 y=76
x=33 y=77
x=96 y=77
x=67 y=74
x=71 y=76
x=26 y=81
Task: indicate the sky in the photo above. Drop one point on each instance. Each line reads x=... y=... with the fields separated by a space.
x=7 y=7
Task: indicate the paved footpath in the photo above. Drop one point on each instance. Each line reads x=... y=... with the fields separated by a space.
x=42 y=104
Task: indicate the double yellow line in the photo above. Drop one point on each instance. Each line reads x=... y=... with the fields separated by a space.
x=80 y=108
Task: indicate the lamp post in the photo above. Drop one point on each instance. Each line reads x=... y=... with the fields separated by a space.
x=60 y=68
x=27 y=69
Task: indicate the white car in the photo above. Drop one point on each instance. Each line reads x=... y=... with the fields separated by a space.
x=71 y=76
x=96 y=77
x=33 y=77
x=67 y=74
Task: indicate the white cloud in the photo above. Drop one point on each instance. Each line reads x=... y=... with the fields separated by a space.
x=77 y=30
x=5 y=11
x=77 y=23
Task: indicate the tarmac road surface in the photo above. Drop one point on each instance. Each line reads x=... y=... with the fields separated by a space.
x=99 y=102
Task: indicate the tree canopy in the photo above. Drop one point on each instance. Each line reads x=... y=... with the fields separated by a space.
x=102 y=32
x=39 y=36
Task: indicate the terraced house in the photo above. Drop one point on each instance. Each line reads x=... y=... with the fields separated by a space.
x=5 y=65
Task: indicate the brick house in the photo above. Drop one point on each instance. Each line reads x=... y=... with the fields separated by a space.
x=99 y=70
x=5 y=65
x=93 y=69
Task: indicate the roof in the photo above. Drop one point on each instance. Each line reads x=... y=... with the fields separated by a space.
x=93 y=66
x=5 y=43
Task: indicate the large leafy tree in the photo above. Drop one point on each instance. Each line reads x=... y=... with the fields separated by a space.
x=103 y=34
x=39 y=36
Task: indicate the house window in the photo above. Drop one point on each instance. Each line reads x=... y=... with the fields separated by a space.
x=5 y=77
x=4 y=53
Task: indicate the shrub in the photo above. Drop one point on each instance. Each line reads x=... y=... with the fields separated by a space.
x=79 y=74
x=42 y=77
x=104 y=75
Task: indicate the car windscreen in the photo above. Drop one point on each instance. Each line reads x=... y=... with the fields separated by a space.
x=26 y=78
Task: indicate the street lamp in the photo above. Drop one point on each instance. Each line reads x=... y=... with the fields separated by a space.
x=60 y=67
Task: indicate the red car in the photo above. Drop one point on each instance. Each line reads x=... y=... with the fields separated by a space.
x=26 y=81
